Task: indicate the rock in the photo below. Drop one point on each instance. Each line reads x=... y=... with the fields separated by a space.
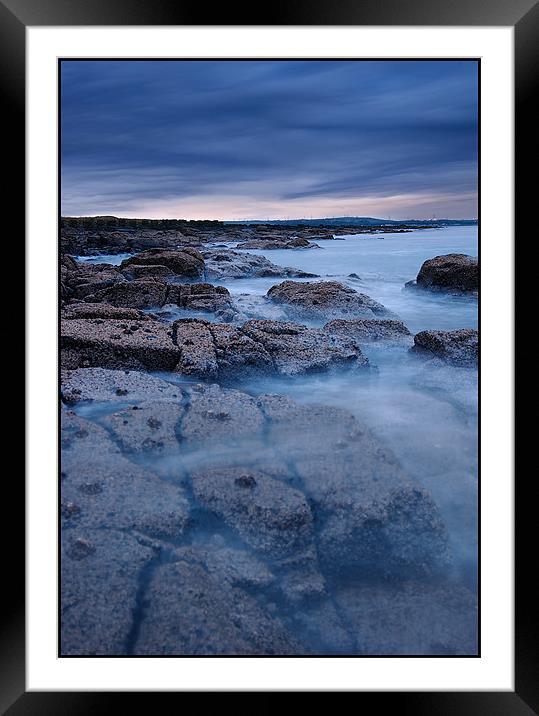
x=149 y=430
x=102 y=384
x=369 y=329
x=132 y=294
x=273 y=518
x=411 y=619
x=100 y=579
x=109 y=343
x=222 y=264
x=265 y=244
x=325 y=299
x=102 y=310
x=460 y=348
x=191 y=613
x=144 y=271
x=221 y=351
x=110 y=491
x=220 y=415
x=84 y=280
x=186 y=262
x=372 y=517
x=452 y=272
x=200 y=297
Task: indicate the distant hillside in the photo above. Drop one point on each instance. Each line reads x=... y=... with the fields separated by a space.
x=361 y=221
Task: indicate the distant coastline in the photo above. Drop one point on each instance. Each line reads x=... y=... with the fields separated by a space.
x=115 y=222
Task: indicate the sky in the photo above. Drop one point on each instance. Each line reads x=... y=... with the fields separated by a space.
x=269 y=139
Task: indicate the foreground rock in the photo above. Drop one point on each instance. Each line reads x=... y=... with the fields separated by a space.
x=187 y=262
x=225 y=352
x=98 y=599
x=438 y=619
x=369 y=329
x=452 y=272
x=460 y=348
x=102 y=489
x=231 y=538
x=325 y=299
x=369 y=514
x=190 y=612
x=225 y=264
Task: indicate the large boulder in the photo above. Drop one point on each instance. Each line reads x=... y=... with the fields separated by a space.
x=460 y=348
x=225 y=264
x=223 y=351
x=187 y=262
x=325 y=300
x=451 y=272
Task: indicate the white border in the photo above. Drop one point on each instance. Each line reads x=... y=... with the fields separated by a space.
x=494 y=670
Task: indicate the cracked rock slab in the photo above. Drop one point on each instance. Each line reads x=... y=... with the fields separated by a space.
x=223 y=351
x=191 y=613
x=125 y=386
x=102 y=489
x=99 y=577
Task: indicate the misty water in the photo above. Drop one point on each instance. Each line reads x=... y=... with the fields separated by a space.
x=427 y=418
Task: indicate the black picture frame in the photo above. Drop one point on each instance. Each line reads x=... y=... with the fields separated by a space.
x=523 y=15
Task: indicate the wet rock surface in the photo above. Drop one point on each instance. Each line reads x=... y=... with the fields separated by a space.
x=325 y=300
x=219 y=351
x=369 y=329
x=225 y=264
x=293 y=495
x=452 y=272
x=459 y=348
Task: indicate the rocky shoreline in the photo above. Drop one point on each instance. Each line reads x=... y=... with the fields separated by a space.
x=202 y=519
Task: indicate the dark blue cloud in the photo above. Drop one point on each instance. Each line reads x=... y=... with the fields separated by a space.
x=144 y=137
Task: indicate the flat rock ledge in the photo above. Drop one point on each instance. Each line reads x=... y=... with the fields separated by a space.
x=205 y=350
x=223 y=549
x=459 y=348
x=325 y=300
x=369 y=329
x=456 y=273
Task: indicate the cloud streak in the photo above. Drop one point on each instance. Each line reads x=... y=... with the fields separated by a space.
x=249 y=139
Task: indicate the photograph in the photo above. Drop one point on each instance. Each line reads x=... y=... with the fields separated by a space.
x=268 y=297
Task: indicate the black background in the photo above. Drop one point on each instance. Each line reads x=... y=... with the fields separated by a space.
x=15 y=15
